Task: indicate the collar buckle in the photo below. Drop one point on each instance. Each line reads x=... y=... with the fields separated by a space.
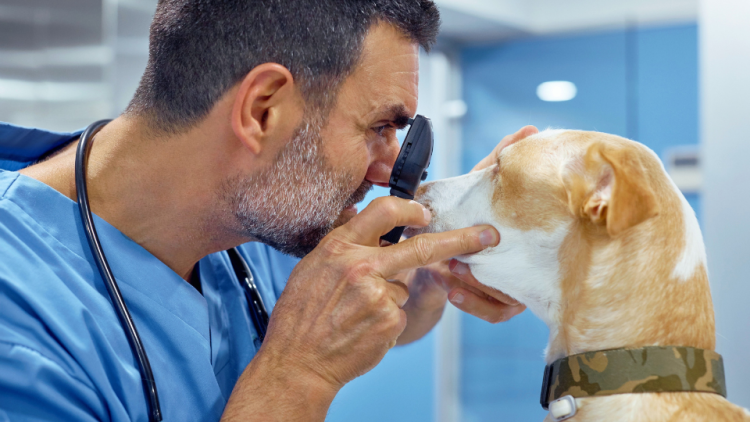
x=544 y=398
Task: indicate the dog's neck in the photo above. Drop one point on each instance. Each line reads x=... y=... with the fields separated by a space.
x=646 y=288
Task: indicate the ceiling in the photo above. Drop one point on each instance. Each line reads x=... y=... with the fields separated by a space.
x=496 y=20
x=64 y=63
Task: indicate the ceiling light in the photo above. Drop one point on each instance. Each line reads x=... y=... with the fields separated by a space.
x=556 y=91
x=454 y=109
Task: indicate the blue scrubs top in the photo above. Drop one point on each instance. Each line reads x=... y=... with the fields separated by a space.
x=63 y=353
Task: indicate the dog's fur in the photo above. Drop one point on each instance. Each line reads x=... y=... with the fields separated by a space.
x=600 y=244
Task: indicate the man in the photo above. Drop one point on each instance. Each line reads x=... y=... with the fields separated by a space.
x=255 y=121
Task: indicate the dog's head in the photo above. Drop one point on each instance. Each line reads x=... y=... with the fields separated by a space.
x=571 y=206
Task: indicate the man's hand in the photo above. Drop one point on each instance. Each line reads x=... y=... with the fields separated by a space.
x=491 y=159
x=340 y=313
x=473 y=297
x=431 y=286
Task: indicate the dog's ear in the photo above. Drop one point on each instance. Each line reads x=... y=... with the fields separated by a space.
x=608 y=185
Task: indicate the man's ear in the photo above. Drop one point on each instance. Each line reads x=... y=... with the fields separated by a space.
x=608 y=186
x=267 y=106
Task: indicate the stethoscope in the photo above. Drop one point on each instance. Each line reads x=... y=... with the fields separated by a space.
x=239 y=265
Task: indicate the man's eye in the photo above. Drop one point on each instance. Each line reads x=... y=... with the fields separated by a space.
x=381 y=129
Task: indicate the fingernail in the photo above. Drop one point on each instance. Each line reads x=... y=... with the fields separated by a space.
x=457 y=298
x=452 y=264
x=427 y=214
x=488 y=238
x=460 y=268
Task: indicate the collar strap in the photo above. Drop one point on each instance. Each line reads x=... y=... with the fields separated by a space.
x=645 y=370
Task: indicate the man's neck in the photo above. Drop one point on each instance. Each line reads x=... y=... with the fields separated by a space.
x=161 y=192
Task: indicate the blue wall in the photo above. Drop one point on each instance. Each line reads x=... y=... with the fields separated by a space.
x=642 y=84
x=400 y=388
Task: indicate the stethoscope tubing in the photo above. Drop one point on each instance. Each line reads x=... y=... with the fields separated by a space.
x=147 y=375
x=255 y=303
x=243 y=272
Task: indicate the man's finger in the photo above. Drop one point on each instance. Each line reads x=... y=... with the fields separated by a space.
x=491 y=159
x=381 y=216
x=462 y=272
x=398 y=292
x=481 y=307
x=426 y=249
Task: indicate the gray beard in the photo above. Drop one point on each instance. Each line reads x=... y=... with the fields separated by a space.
x=295 y=203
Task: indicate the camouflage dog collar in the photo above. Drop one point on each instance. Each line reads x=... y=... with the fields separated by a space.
x=645 y=370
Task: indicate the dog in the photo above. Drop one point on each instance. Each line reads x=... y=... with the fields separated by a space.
x=601 y=245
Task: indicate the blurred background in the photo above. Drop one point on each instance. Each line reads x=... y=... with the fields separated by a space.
x=669 y=73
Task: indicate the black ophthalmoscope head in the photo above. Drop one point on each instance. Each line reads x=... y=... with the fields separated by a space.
x=411 y=165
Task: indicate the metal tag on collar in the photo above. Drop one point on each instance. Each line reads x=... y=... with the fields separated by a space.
x=563 y=408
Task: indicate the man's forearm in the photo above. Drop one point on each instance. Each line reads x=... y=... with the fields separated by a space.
x=269 y=391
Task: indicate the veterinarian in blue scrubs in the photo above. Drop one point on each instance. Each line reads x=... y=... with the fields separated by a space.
x=226 y=142
x=60 y=341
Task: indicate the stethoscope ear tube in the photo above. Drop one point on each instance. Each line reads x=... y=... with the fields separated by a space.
x=121 y=309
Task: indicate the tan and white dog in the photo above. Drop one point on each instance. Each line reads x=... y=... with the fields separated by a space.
x=598 y=242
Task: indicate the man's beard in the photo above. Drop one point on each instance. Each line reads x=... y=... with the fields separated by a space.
x=295 y=203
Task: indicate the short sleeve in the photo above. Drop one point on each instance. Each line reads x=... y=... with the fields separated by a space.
x=35 y=388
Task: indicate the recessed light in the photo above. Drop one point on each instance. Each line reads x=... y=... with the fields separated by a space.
x=556 y=91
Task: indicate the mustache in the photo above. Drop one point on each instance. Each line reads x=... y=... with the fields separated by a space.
x=359 y=194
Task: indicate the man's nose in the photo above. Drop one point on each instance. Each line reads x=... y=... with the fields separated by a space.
x=385 y=153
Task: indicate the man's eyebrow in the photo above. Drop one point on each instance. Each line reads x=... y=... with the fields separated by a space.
x=397 y=115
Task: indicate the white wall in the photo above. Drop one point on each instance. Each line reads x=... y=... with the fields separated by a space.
x=440 y=100
x=724 y=41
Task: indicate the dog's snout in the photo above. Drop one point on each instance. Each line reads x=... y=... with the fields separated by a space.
x=422 y=190
x=423 y=198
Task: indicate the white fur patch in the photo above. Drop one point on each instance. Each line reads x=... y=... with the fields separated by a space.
x=524 y=265
x=693 y=252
